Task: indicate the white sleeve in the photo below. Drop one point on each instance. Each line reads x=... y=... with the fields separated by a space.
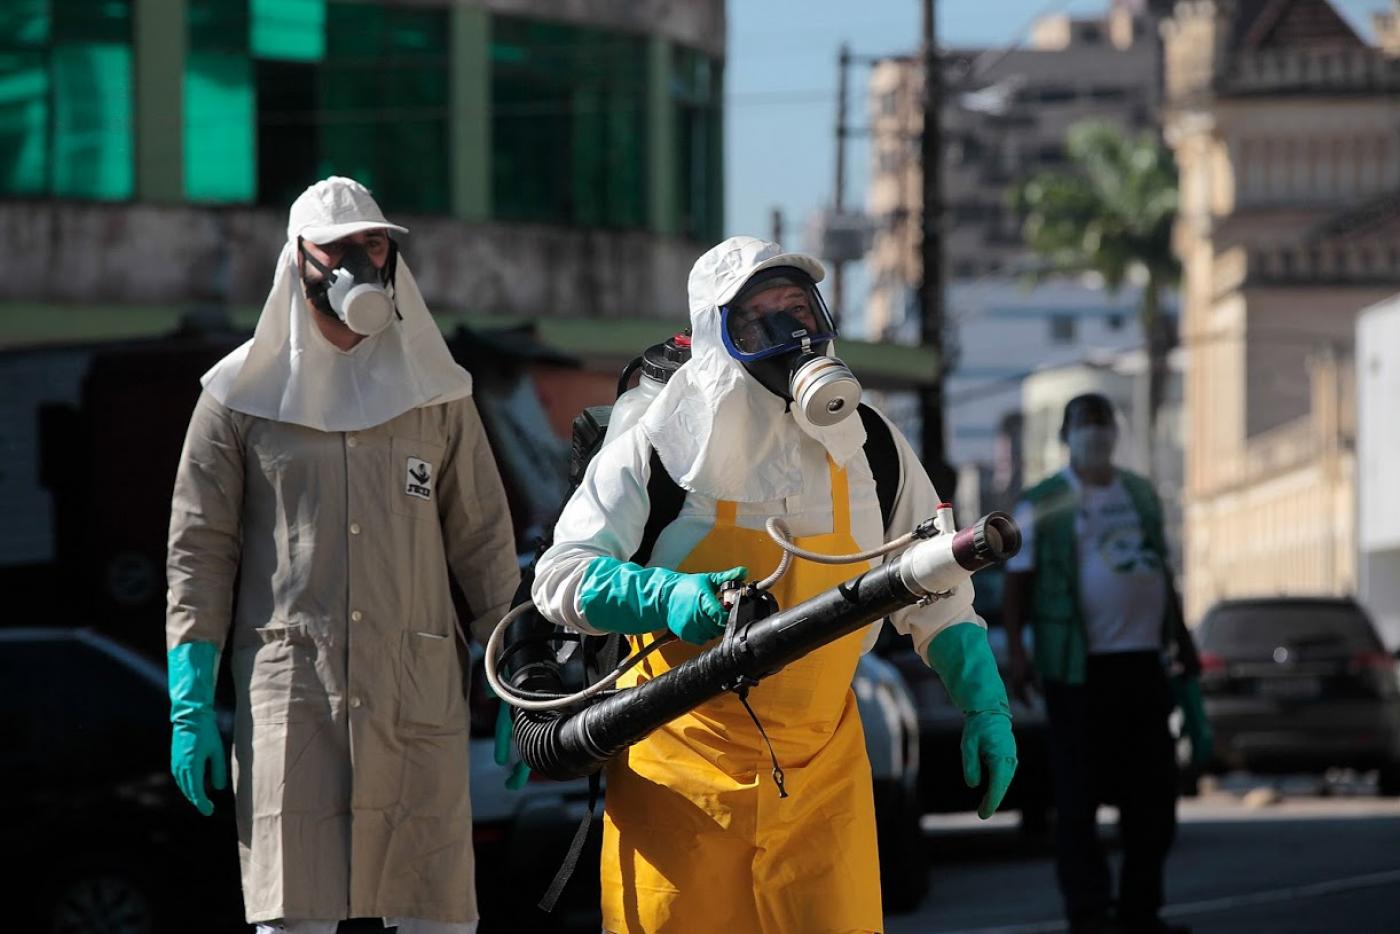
x=607 y=515
x=1023 y=561
x=918 y=500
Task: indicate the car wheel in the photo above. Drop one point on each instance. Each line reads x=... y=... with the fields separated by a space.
x=1388 y=781
x=100 y=904
x=903 y=852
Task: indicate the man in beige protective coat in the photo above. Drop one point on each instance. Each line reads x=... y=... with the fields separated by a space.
x=335 y=473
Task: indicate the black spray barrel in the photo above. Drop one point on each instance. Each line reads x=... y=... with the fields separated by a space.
x=563 y=746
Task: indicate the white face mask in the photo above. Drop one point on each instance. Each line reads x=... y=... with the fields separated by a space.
x=1091 y=446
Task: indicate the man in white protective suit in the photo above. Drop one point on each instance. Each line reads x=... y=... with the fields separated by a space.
x=335 y=478
x=713 y=823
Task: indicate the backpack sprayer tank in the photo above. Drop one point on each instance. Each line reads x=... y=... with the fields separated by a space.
x=538 y=662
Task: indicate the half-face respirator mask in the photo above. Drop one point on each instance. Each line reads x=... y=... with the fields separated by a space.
x=779 y=328
x=355 y=291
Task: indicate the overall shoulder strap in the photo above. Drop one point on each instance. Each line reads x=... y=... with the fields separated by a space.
x=666 y=498
x=883 y=456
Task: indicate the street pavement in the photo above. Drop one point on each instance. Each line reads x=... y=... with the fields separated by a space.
x=1252 y=855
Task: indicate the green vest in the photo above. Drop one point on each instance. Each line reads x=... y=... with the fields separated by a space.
x=1061 y=640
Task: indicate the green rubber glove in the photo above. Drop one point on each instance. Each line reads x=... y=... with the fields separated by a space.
x=618 y=596
x=520 y=773
x=963 y=659
x=195 y=743
x=1187 y=691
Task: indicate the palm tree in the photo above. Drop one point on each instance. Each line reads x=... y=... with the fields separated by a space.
x=1110 y=213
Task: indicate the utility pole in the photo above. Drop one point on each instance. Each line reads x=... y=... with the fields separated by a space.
x=843 y=63
x=777 y=226
x=931 y=319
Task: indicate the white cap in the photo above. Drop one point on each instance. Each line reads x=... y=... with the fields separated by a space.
x=335 y=207
x=734 y=262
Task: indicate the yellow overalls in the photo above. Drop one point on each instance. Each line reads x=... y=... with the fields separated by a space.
x=695 y=835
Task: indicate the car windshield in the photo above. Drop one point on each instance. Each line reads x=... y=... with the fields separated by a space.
x=1316 y=627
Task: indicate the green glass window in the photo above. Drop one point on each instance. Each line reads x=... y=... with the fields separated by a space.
x=24 y=24
x=220 y=103
x=24 y=121
x=24 y=97
x=384 y=103
x=92 y=138
x=286 y=138
x=219 y=144
x=696 y=96
x=218 y=25
x=289 y=30
x=568 y=124
x=101 y=21
x=66 y=98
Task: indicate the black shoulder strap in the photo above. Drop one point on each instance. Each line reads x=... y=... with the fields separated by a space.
x=666 y=500
x=883 y=456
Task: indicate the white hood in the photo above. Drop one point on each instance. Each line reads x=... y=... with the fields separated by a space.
x=290 y=372
x=718 y=431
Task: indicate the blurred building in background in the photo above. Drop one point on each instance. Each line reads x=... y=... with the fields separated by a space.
x=559 y=165
x=550 y=159
x=1005 y=116
x=1286 y=129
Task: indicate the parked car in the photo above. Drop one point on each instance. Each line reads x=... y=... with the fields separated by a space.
x=1296 y=684
x=99 y=837
x=891 y=725
x=941 y=786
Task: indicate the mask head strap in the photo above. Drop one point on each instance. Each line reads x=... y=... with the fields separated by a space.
x=316 y=289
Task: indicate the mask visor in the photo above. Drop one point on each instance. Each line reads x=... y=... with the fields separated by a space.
x=783 y=316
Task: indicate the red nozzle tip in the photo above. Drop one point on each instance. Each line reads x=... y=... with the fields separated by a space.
x=945 y=505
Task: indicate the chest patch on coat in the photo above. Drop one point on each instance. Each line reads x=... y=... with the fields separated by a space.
x=419 y=481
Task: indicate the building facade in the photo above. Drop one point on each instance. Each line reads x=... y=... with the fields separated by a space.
x=1005 y=116
x=1286 y=130
x=149 y=148
x=1377 y=465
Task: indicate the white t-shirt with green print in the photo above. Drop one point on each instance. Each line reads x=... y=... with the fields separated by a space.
x=1122 y=590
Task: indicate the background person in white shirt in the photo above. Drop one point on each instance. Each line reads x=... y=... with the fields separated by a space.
x=1113 y=657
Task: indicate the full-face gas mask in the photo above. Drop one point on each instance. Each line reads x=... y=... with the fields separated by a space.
x=354 y=292
x=779 y=328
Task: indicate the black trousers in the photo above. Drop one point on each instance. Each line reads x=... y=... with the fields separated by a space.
x=1110 y=744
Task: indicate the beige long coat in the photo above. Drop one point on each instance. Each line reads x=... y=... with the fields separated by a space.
x=351 y=734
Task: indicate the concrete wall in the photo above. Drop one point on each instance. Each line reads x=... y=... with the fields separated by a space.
x=1287 y=327
x=1378 y=465
x=58 y=251
x=1378 y=440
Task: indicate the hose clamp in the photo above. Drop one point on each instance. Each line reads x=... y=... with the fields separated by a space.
x=927 y=529
x=935 y=596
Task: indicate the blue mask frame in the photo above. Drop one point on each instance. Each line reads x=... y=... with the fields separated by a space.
x=820 y=337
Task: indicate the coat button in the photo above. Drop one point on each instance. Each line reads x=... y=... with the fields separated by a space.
x=355 y=702
x=357 y=616
x=354 y=528
x=352 y=441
